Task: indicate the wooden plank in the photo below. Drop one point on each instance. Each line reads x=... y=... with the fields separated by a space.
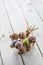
x=16 y=20
x=0 y=59
x=10 y=57
x=15 y=11
x=0 y=62
x=38 y=4
x=23 y=2
x=33 y=57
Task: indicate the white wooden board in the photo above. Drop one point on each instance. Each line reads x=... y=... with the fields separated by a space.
x=39 y=6
x=0 y=59
x=9 y=56
x=18 y=24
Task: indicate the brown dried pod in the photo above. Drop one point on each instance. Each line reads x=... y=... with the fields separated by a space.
x=19 y=44
x=32 y=41
x=14 y=36
x=27 y=33
x=27 y=47
x=22 y=35
x=22 y=50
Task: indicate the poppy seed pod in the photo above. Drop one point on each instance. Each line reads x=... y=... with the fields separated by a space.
x=18 y=44
x=13 y=43
x=22 y=50
x=32 y=39
x=22 y=35
x=14 y=36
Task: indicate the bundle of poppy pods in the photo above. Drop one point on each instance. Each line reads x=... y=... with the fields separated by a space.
x=23 y=41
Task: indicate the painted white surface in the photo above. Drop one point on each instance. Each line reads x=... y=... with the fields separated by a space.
x=39 y=6
x=0 y=60
x=10 y=57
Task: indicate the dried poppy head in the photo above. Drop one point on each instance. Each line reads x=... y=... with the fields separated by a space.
x=13 y=43
x=32 y=39
x=22 y=35
x=14 y=36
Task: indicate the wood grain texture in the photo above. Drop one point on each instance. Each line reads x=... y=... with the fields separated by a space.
x=9 y=56
x=16 y=16
x=39 y=6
